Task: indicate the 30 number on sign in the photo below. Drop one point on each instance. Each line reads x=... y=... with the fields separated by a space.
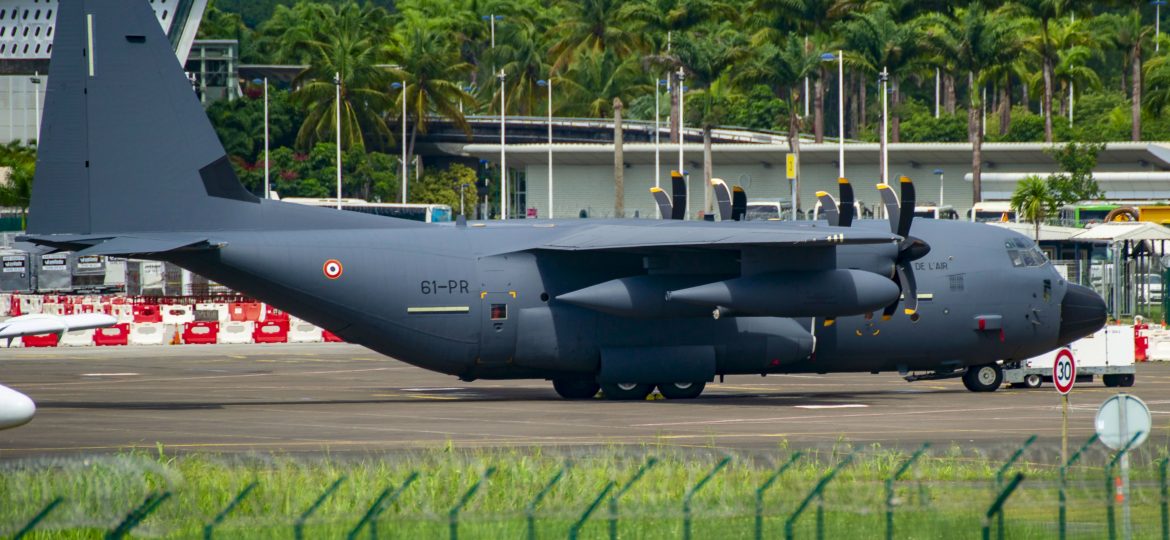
x=1064 y=371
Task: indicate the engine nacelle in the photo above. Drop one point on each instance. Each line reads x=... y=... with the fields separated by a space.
x=823 y=293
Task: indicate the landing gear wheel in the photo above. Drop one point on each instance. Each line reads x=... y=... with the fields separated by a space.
x=627 y=391
x=681 y=390
x=985 y=378
x=575 y=388
x=1033 y=381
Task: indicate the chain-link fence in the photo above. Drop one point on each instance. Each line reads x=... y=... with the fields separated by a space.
x=1014 y=490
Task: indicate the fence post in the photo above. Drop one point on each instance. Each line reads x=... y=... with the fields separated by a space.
x=53 y=504
x=764 y=487
x=576 y=528
x=613 y=501
x=1109 y=494
x=299 y=526
x=1165 y=501
x=999 y=479
x=383 y=500
x=997 y=506
x=691 y=493
x=530 y=510
x=890 y=488
x=150 y=504
x=453 y=515
x=789 y=524
x=1064 y=483
x=209 y=529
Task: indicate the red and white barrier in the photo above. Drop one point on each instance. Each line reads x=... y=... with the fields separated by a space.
x=271 y=332
x=177 y=314
x=148 y=333
x=119 y=334
x=303 y=332
x=201 y=332
x=236 y=332
x=45 y=340
x=77 y=338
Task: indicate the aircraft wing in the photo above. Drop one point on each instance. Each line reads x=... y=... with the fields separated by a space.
x=618 y=237
x=31 y=325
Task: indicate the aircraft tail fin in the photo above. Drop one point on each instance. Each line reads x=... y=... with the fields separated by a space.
x=125 y=145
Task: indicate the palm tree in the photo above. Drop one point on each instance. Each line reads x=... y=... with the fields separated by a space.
x=1128 y=34
x=354 y=56
x=976 y=40
x=520 y=53
x=781 y=64
x=708 y=108
x=1034 y=201
x=17 y=191
x=878 y=40
x=591 y=26
x=434 y=73
x=1046 y=11
x=595 y=79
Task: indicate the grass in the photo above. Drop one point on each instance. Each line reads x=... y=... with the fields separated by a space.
x=943 y=496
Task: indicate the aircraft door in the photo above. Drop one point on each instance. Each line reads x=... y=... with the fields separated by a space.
x=497 y=343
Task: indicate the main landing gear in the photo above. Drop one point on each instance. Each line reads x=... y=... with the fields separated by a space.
x=984 y=378
x=586 y=389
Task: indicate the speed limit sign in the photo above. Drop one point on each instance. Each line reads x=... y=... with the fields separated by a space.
x=1064 y=371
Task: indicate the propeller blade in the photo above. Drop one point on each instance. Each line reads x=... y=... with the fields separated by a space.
x=909 y=290
x=738 y=203
x=846 y=208
x=722 y=198
x=663 y=201
x=678 y=186
x=829 y=207
x=890 y=201
x=907 y=211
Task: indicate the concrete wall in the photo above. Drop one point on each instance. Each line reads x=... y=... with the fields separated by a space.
x=18 y=107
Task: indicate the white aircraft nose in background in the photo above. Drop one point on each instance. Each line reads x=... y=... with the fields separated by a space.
x=16 y=409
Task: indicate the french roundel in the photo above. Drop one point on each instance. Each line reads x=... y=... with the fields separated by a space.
x=332 y=269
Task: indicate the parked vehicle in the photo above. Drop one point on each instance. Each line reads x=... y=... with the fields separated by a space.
x=1109 y=354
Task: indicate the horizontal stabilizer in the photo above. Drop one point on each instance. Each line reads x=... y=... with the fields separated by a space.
x=119 y=245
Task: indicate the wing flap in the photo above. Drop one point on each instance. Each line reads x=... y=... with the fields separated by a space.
x=119 y=245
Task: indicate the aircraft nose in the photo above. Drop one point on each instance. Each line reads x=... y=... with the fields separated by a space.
x=1082 y=312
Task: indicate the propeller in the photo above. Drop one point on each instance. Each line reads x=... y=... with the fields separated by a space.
x=838 y=215
x=678 y=186
x=738 y=203
x=676 y=208
x=846 y=211
x=909 y=249
x=722 y=198
x=829 y=207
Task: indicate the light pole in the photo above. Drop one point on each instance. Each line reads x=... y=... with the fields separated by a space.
x=548 y=84
x=1157 y=21
x=337 y=129
x=36 y=80
x=657 y=149
x=939 y=172
x=402 y=86
x=840 y=58
x=503 y=153
x=937 y=89
x=682 y=132
x=492 y=21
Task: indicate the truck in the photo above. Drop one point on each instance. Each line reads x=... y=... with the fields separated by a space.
x=1109 y=353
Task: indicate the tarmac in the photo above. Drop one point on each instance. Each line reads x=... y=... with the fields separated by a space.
x=314 y=398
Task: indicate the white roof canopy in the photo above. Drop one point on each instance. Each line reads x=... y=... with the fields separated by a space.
x=1117 y=231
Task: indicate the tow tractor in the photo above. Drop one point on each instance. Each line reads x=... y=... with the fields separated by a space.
x=1109 y=353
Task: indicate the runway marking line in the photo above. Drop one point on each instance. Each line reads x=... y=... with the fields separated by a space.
x=842 y=406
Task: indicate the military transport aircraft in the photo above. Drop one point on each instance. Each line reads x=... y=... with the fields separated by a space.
x=129 y=165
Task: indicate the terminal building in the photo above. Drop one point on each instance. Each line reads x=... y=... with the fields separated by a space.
x=583 y=174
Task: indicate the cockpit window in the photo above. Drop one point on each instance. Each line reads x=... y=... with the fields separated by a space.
x=1024 y=253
